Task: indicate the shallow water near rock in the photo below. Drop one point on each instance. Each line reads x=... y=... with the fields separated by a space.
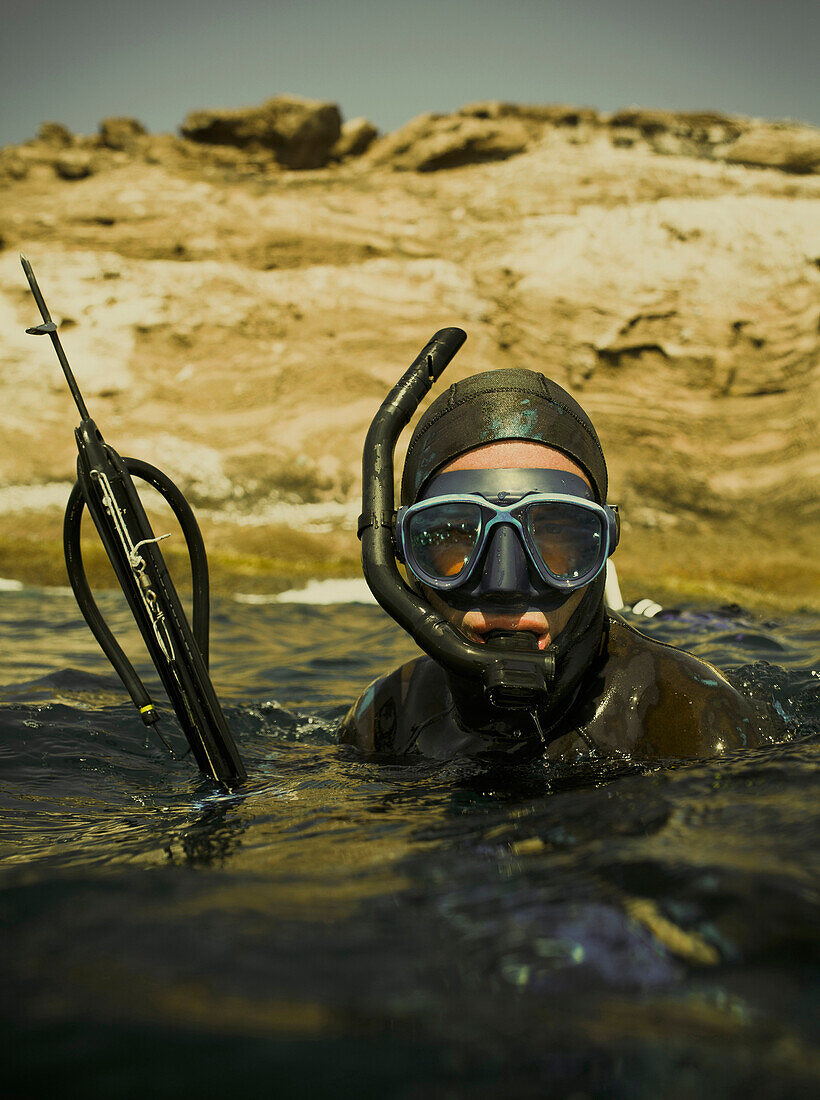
x=395 y=929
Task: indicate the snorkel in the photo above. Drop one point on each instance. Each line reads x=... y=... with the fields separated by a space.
x=511 y=671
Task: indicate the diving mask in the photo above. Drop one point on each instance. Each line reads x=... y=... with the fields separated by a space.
x=481 y=533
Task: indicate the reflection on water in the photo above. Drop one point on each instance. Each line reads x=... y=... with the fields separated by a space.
x=402 y=929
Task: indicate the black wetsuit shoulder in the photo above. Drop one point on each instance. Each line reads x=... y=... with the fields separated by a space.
x=393 y=711
x=642 y=698
x=655 y=701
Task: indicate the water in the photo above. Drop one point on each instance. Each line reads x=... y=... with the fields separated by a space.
x=351 y=928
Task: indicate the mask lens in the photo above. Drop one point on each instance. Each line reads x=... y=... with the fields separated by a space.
x=568 y=538
x=441 y=538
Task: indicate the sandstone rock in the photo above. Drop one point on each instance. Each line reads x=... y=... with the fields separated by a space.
x=647 y=121
x=54 y=133
x=560 y=114
x=554 y=114
x=433 y=141
x=624 y=137
x=489 y=108
x=677 y=299
x=12 y=165
x=121 y=133
x=710 y=126
x=790 y=148
x=300 y=132
x=164 y=148
x=74 y=165
x=702 y=127
x=358 y=134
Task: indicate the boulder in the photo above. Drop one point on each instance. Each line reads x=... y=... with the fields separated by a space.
x=431 y=141
x=73 y=165
x=300 y=132
x=356 y=138
x=121 y=133
x=54 y=133
x=789 y=148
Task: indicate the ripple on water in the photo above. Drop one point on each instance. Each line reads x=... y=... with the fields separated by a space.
x=404 y=927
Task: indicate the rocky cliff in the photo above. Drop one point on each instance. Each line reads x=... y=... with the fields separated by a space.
x=236 y=301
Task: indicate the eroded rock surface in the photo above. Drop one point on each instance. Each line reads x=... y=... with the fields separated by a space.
x=790 y=148
x=300 y=132
x=431 y=142
x=121 y=133
x=357 y=135
x=239 y=324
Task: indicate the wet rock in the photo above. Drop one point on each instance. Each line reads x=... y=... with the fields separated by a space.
x=54 y=133
x=300 y=132
x=789 y=148
x=74 y=165
x=121 y=133
x=431 y=141
x=358 y=134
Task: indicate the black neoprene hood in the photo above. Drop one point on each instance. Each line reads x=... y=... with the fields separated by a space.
x=502 y=405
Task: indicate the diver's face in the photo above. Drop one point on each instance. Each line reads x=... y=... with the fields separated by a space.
x=500 y=610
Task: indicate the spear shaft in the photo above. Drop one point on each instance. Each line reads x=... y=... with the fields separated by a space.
x=48 y=328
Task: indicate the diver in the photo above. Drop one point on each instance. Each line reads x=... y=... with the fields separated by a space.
x=504 y=532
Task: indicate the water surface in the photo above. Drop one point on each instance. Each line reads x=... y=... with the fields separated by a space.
x=386 y=929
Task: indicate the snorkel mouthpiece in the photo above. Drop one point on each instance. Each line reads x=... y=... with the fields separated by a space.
x=514 y=675
x=514 y=684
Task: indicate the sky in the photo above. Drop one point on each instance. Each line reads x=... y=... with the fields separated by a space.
x=78 y=61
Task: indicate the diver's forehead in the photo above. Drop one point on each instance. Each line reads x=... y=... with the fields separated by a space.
x=509 y=454
x=515 y=482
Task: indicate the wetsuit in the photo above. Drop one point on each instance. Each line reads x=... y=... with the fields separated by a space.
x=639 y=697
x=613 y=691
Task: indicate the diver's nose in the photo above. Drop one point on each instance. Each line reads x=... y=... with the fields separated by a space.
x=506 y=570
